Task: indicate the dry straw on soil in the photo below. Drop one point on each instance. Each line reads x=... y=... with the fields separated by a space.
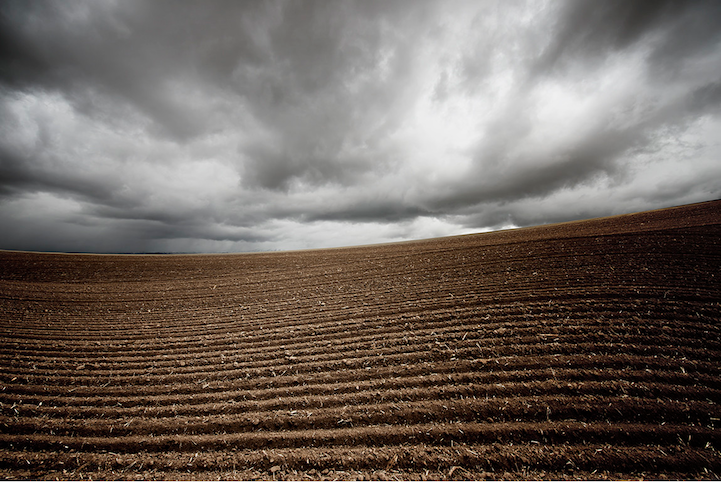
x=580 y=350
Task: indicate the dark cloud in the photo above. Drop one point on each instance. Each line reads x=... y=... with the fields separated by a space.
x=590 y=31
x=367 y=210
x=225 y=126
x=705 y=99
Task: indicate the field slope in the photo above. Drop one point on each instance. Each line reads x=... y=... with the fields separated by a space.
x=579 y=350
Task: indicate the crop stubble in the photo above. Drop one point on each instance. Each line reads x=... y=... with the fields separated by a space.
x=587 y=349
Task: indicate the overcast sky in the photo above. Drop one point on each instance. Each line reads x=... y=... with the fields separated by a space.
x=209 y=126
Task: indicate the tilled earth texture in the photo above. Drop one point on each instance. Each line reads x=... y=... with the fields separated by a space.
x=585 y=350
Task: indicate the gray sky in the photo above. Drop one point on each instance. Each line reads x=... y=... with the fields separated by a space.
x=146 y=126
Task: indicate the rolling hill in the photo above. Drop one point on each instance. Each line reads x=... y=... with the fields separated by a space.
x=588 y=349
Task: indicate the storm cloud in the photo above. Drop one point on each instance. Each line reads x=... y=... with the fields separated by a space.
x=176 y=126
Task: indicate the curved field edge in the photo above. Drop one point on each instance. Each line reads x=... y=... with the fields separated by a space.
x=579 y=350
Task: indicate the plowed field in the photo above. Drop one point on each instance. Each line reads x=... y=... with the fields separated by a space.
x=579 y=350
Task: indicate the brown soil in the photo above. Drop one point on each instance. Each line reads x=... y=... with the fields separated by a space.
x=572 y=351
